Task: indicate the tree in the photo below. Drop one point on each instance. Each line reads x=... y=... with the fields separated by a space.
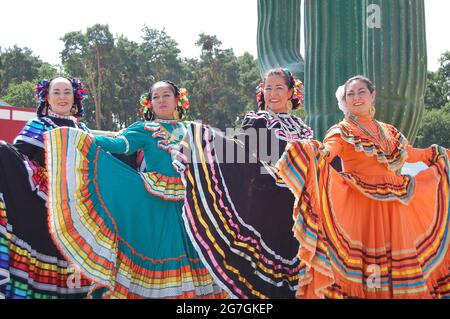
x=160 y=55
x=438 y=84
x=249 y=77
x=435 y=127
x=222 y=85
x=46 y=71
x=17 y=65
x=21 y=94
x=91 y=56
x=131 y=81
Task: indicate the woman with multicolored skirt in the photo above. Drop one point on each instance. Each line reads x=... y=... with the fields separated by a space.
x=369 y=231
x=237 y=211
x=30 y=264
x=123 y=228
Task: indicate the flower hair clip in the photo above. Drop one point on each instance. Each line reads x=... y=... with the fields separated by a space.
x=298 y=92
x=41 y=91
x=183 y=99
x=260 y=93
x=145 y=103
x=79 y=90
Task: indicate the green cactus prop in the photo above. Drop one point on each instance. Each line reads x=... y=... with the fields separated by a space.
x=279 y=37
x=334 y=38
x=395 y=59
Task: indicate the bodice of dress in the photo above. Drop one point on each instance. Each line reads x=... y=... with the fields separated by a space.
x=30 y=143
x=275 y=128
x=369 y=152
x=372 y=159
x=272 y=132
x=157 y=140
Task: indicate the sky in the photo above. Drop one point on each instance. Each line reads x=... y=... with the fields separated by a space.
x=39 y=25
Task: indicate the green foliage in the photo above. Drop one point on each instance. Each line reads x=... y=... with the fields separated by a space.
x=117 y=71
x=21 y=94
x=438 y=84
x=17 y=65
x=435 y=127
x=91 y=57
x=160 y=55
x=46 y=71
x=222 y=85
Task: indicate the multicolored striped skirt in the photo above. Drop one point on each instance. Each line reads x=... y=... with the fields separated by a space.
x=354 y=244
x=120 y=235
x=31 y=267
x=238 y=217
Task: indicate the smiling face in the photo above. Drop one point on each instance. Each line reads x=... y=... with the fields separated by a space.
x=60 y=96
x=277 y=93
x=164 y=101
x=358 y=98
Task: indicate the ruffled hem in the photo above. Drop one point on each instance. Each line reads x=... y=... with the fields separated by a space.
x=25 y=273
x=87 y=234
x=233 y=251
x=393 y=161
x=5 y=237
x=385 y=188
x=162 y=186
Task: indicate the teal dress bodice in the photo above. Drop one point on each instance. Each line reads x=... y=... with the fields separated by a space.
x=156 y=139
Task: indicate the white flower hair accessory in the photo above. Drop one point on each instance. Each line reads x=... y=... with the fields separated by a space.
x=340 y=96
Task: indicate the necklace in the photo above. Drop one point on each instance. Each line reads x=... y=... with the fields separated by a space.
x=381 y=141
x=58 y=116
x=172 y=137
x=171 y=121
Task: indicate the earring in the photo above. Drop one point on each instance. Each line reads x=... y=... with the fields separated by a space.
x=176 y=115
x=289 y=106
x=73 y=110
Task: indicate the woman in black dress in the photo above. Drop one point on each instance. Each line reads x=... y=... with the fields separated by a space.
x=237 y=211
x=30 y=264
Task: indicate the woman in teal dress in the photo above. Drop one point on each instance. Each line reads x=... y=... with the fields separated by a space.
x=123 y=228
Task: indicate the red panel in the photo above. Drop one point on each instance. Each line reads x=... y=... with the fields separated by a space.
x=9 y=128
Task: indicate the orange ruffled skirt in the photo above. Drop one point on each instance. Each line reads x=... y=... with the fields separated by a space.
x=358 y=241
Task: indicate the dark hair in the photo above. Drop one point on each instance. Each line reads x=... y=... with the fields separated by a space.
x=360 y=78
x=149 y=115
x=43 y=88
x=174 y=88
x=289 y=80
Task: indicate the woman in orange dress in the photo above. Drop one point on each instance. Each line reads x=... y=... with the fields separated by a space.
x=368 y=231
